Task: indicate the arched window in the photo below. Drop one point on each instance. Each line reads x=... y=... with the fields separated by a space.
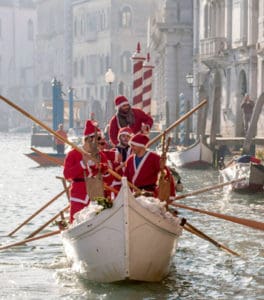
x=30 y=30
x=126 y=17
x=206 y=21
x=75 y=69
x=102 y=64
x=82 y=29
x=126 y=62
x=82 y=67
x=178 y=12
x=103 y=21
x=75 y=27
x=107 y=62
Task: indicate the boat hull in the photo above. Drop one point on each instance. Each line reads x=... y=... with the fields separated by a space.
x=126 y=242
x=195 y=156
x=44 y=161
x=253 y=173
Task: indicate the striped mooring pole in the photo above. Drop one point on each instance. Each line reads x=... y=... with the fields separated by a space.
x=138 y=60
x=147 y=84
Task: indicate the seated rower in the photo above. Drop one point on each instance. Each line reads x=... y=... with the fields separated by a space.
x=118 y=155
x=143 y=168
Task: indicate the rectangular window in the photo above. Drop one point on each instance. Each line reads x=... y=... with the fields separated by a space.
x=101 y=92
x=236 y=20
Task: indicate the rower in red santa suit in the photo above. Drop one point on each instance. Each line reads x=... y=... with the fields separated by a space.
x=121 y=152
x=126 y=116
x=77 y=166
x=118 y=155
x=143 y=167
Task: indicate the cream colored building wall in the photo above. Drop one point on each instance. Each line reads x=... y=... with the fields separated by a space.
x=170 y=39
x=237 y=64
x=104 y=46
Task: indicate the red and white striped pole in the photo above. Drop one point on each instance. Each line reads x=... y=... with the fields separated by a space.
x=137 y=59
x=147 y=85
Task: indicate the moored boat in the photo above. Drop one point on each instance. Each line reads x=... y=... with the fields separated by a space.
x=253 y=172
x=125 y=242
x=197 y=155
x=50 y=159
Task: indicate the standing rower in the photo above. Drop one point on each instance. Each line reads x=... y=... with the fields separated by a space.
x=126 y=116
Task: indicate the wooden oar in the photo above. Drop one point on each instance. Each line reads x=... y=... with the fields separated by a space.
x=37 y=212
x=177 y=122
x=246 y=222
x=48 y=222
x=209 y=188
x=190 y=228
x=30 y=240
x=63 y=180
x=48 y=157
x=43 y=125
x=66 y=141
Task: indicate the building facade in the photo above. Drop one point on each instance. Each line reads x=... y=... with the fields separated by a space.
x=54 y=47
x=105 y=35
x=228 y=62
x=171 y=44
x=17 y=58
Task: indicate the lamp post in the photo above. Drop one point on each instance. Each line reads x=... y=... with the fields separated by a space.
x=190 y=79
x=199 y=118
x=109 y=79
x=109 y=76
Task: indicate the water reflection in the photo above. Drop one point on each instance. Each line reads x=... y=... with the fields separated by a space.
x=199 y=270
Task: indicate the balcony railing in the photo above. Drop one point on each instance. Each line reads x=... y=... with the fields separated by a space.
x=213 y=47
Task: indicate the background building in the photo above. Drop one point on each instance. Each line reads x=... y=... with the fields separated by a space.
x=53 y=51
x=105 y=35
x=228 y=44
x=17 y=59
x=171 y=47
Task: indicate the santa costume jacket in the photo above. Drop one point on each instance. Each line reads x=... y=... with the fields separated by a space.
x=145 y=176
x=140 y=118
x=74 y=170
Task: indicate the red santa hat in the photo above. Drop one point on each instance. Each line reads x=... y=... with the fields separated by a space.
x=139 y=139
x=120 y=101
x=90 y=128
x=125 y=130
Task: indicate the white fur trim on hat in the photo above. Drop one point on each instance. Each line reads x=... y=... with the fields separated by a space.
x=137 y=144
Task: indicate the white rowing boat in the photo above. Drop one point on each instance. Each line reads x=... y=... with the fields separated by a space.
x=254 y=174
x=197 y=155
x=125 y=242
